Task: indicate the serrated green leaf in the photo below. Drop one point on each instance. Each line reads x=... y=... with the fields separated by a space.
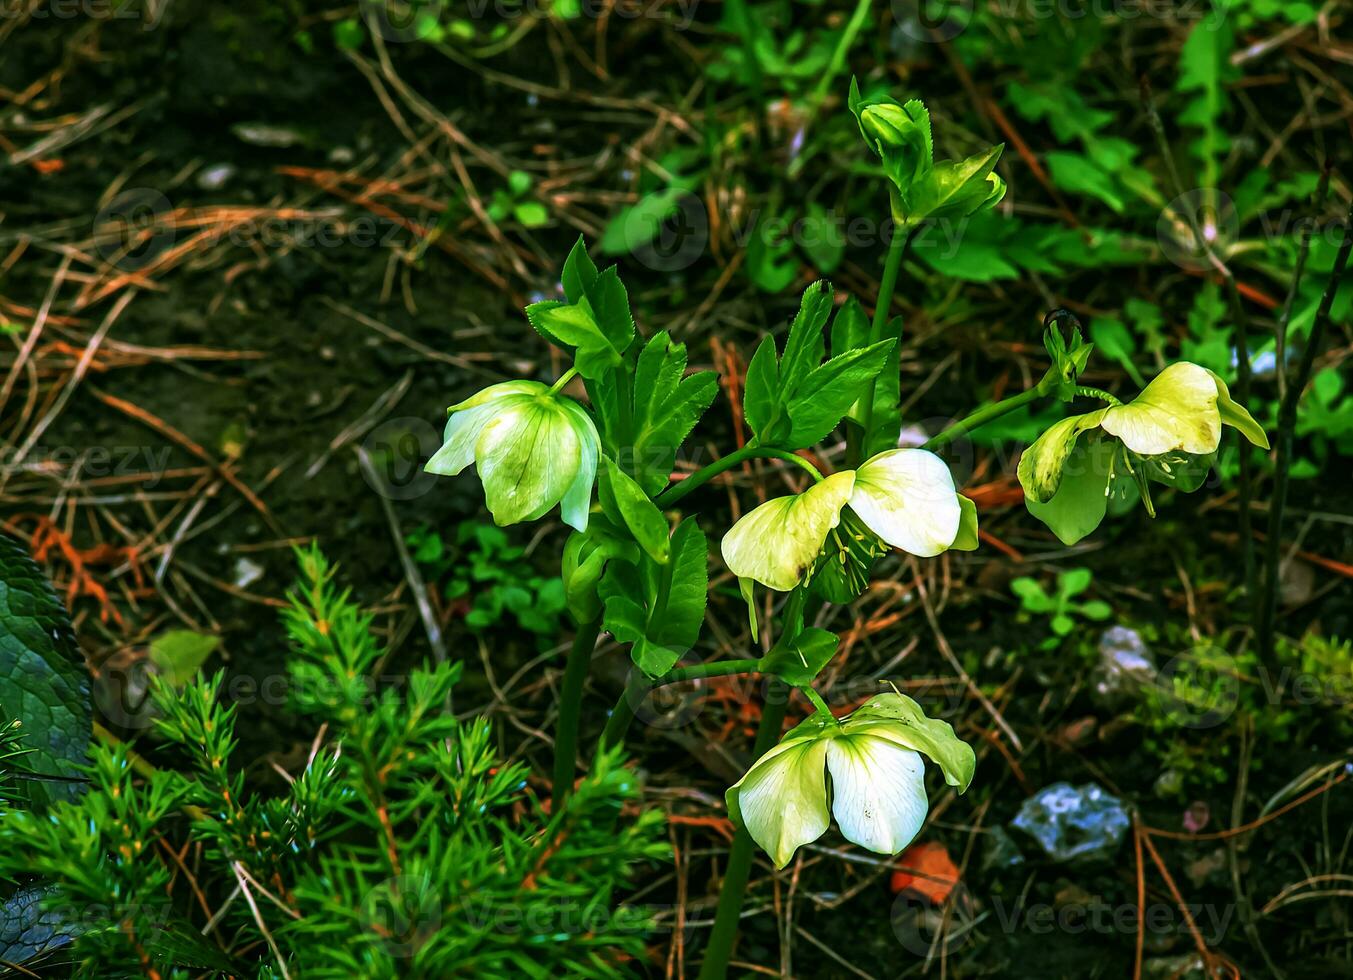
x=761 y=394
x=800 y=659
x=805 y=347
x=626 y=504
x=43 y=680
x=667 y=405
x=829 y=390
x=659 y=610
x=580 y=272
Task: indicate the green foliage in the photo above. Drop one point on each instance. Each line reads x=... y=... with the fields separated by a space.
x=1061 y=607
x=493 y=577
x=515 y=201
x=667 y=404
x=43 y=681
x=796 y=400
x=404 y=848
x=179 y=654
x=660 y=609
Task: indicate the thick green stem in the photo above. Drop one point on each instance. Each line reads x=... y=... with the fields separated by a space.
x=622 y=715
x=570 y=710
x=564 y=379
x=988 y=414
x=716 y=668
x=897 y=248
x=669 y=497
x=739 y=867
x=842 y=49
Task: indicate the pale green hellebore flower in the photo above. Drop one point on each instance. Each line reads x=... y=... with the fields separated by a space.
x=1167 y=434
x=905 y=496
x=533 y=449
x=877 y=790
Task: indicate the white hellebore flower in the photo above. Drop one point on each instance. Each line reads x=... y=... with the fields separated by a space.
x=877 y=789
x=1168 y=434
x=533 y=448
x=904 y=496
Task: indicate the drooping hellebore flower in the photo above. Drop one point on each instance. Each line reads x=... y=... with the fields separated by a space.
x=904 y=497
x=1168 y=434
x=877 y=790
x=533 y=449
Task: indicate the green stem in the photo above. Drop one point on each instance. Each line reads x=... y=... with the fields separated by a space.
x=811 y=694
x=668 y=498
x=564 y=379
x=842 y=49
x=622 y=715
x=892 y=266
x=739 y=868
x=570 y=709
x=715 y=668
x=990 y=413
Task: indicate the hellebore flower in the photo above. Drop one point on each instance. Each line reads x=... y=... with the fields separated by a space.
x=877 y=788
x=1168 y=434
x=533 y=449
x=905 y=497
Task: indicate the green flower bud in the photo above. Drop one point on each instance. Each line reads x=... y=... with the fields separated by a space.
x=878 y=793
x=533 y=449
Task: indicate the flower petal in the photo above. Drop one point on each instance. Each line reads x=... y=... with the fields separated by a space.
x=527 y=457
x=458 y=442
x=777 y=542
x=901 y=720
x=1235 y=415
x=1176 y=411
x=782 y=801
x=578 y=498
x=1040 y=466
x=907 y=498
x=878 y=791
x=1083 y=489
x=500 y=390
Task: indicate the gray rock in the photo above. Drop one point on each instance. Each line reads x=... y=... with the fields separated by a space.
x=1125 y=666
x=1074 y=823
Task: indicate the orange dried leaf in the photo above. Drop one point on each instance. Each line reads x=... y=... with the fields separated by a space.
x=927 y=870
